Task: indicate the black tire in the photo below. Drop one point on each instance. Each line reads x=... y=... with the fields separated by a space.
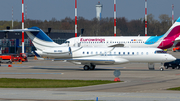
x=86 y=67
x=92 y=67
x=161 y=69
x=166 y=67
x=173 y=67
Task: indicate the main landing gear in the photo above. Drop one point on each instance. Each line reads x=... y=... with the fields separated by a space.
x=89 y=67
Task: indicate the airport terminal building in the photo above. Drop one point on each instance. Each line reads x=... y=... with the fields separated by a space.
x=11 y=42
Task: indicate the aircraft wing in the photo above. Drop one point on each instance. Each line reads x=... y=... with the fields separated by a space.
x=94 y=61
x=116 y=45
x=97 y=61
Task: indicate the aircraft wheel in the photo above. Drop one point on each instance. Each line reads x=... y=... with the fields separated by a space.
x=86 y=67
x=161 y=69
x=92 y=67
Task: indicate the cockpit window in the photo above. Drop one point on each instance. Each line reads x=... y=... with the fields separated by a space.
x=159 y=51
x=66 y=42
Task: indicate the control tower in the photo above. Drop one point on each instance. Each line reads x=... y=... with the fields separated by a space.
x=98 y=11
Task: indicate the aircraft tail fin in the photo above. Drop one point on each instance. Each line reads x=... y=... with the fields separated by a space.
x=40 y=40
x=174 y=30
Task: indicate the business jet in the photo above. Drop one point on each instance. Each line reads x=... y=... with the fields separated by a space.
x=92 y=56
x=169 y=39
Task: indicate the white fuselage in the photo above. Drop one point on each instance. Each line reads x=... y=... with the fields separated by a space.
x=110 y=41
x=116 y=54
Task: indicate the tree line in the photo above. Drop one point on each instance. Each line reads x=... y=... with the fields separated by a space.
x=105 y=27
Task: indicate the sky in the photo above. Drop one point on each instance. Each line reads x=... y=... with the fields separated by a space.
x=59 y=9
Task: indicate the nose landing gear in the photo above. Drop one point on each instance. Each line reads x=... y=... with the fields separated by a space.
x=162 y=67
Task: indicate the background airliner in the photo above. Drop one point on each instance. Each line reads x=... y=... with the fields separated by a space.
x=92 y=56
x=169 y=39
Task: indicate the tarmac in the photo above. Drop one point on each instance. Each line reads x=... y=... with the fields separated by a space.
x=139 y=83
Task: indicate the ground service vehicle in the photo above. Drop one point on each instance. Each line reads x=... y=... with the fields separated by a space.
x=175 y=49
x=19 y=57
x=14 y=57
x=173 y=64
x=6 y=58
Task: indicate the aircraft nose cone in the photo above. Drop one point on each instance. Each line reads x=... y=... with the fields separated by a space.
x=171 y=58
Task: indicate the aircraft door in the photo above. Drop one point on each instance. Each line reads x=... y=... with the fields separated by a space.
x=77 y=43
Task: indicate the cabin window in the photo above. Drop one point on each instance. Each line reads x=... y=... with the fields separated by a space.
x=119 y=53
x=160 y=51
x=100 y=52
x=91 y=52
x=83 y=52
x=141 y=53
x=96 y=52
x=128 y=53
x=114 y=52
x=137 y=53
x=87 y=52
x=146 y=53
x=124 y=53
x=132 y=53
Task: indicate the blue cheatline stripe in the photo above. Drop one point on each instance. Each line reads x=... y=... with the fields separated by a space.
x=153 y=39
x=26 y=73
x=41 y=35
x=178 y=20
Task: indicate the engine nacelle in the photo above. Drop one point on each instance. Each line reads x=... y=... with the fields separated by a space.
x=60 y=52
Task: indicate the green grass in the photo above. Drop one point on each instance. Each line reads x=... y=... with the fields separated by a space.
x=176 y=88
x=48 y=83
